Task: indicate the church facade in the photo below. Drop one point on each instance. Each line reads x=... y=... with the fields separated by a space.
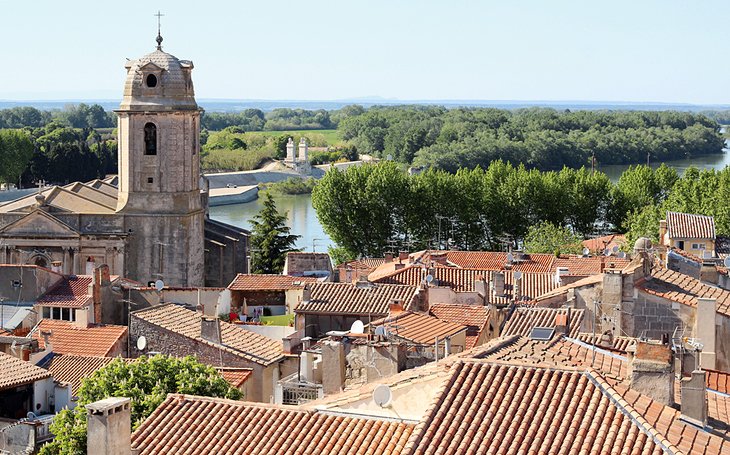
x=150 y=222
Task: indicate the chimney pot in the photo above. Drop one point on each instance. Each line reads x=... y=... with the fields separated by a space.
x=694 y=399
x=210 y=329
x=109 y=426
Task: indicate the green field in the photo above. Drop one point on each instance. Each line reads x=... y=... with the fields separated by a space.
x=332 y=137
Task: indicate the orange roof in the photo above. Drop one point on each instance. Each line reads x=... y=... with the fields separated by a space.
x=225 y=427
x=16 y=372
x=236 y=340
x=513 y=409
x=458 y=279
x=419 y=328
x=72 y=369
x=355 y=299
x=253 y=282
x=494 y=260
x=592 y=265
x=523 y=320
x=599 y=244
x=620 y=343
x=690 y=226
x=236 y=377
x=718 y=380
x=474 y=317
x=70 y=292
x=67 y=338
x=682 y=288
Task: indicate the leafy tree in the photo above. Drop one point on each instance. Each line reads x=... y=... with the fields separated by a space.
x=270 y=239
x=147 y=381
x=16 y=150
x=549 y=238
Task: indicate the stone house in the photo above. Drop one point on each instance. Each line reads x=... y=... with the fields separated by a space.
x=274 y=294
x=174 y=330
x=298 y=263
x=694 y=234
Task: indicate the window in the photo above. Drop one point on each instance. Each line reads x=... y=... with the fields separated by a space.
x=680 y=244
x=150 y=180
x=56 y=313
x=151 y=81
x=66 y=314
x=698 y=246
x=46 y=312
x=150 y=139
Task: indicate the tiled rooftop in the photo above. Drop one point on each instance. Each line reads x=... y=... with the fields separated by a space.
x=718 y=380
x=599 y=244
x=185 y=424
x=619 y=344
x=68 y=338
x=516 y=409
x=419 y=327
x=474 y=317
x=70 y=292
x=531 y=286
x=236 y=377
x=592 y=265
x=252 y=282
x=355 y=299
x=682 y=288
x=523 y=320
x=15 y=372
x=458 y=279
x=246 y=344
x=72 y=369
x=689 y=226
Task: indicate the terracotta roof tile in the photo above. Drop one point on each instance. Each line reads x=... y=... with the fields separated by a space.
x=599 y=244
x=474 y=317
x=593 y=265
x=238 y=341
x=253 y=282
x=682 y=288
x=185 y=424
x=419 y=328
x=523 y=320
x=356 y=299
x=493 y=260
x=70 y=292
x=531 y=286
x=16 y=372
x=67 y=338
x=72 y=369
x=687 y=226
x=236 y=377
x=619 y=344
x=718 y=380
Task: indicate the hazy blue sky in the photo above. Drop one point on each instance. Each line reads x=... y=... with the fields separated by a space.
x=665 y=51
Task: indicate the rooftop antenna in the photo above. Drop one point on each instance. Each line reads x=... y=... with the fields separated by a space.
x=159 y=35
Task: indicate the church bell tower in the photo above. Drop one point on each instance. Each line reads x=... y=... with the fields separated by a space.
x=159 y=170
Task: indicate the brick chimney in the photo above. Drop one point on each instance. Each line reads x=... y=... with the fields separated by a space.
x=333 y=367
x=210 y=329
x=388 y=257
x=480 y=286
x=403 y=256
x=396 y=308
x=650 y=371
x=561 y=324
x=709 y=273
x=306 y=293
x=694 y=399
x=109 y=428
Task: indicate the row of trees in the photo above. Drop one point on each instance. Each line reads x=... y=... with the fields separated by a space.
x=540 y=138
x=368 y=210
x=276 y=120
x=73 y=115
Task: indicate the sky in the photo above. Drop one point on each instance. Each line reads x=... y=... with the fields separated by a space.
x=621 y=51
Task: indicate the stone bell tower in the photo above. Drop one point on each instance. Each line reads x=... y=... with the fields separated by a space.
x=159 y=171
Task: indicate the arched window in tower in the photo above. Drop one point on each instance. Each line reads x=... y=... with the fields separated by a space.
x=150 y=139
x=151 y=80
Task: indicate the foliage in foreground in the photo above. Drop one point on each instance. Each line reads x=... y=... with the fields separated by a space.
x=270 y=239
x=147 y=381
x=292 y=185
x=551 y=239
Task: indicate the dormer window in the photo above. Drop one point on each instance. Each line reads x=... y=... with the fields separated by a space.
x=150 y=139
x=151 y=81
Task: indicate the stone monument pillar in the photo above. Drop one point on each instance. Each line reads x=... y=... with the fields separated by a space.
x=290 y=157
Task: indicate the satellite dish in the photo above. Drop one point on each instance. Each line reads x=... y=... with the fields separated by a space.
x=615 y=249
x=357 y=327
x=606 y=252
x=586 y=251
x=429 y=278
x=621 y=255
x=727 y=261
x=159 y=285
x=141 y=343
x=510 y=257
x=517 y=275
x=380 y=331
x=382 y=396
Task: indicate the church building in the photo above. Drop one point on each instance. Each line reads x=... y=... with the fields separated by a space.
x=148 y=223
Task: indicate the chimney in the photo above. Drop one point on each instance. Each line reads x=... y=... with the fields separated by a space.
x=333 y=367
x=388 y=257
x=403 y=255
x=709 y=273
x=101 y=279
x=399 y=265
x=439 y=258
x=705 y=331
x=560 y=272
x=651 y=372
x=109 y=428
x=561 y=324
x=498 y=282
x=210 y=329
x=306 y=293
x=516 y=289
x=396 y=308
x=694 y=399
x=90 y=265
x=480 y=286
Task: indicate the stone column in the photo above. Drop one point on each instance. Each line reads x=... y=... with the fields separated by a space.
x=3 y=254
x=76 y=253
x=66 y=261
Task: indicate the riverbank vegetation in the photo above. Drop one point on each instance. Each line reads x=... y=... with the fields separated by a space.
x=367 y=209
x=292 y=185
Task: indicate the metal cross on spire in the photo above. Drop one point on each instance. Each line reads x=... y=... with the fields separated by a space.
x=159 y=35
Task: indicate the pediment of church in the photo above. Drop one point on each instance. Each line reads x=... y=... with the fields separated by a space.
x=151 y=67
x=39 y=224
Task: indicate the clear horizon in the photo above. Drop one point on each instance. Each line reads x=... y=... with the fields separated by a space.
x=663 y=52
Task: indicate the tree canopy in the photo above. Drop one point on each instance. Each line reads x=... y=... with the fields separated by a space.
x=16 y=150
x=270 y=239
x=147 y=381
